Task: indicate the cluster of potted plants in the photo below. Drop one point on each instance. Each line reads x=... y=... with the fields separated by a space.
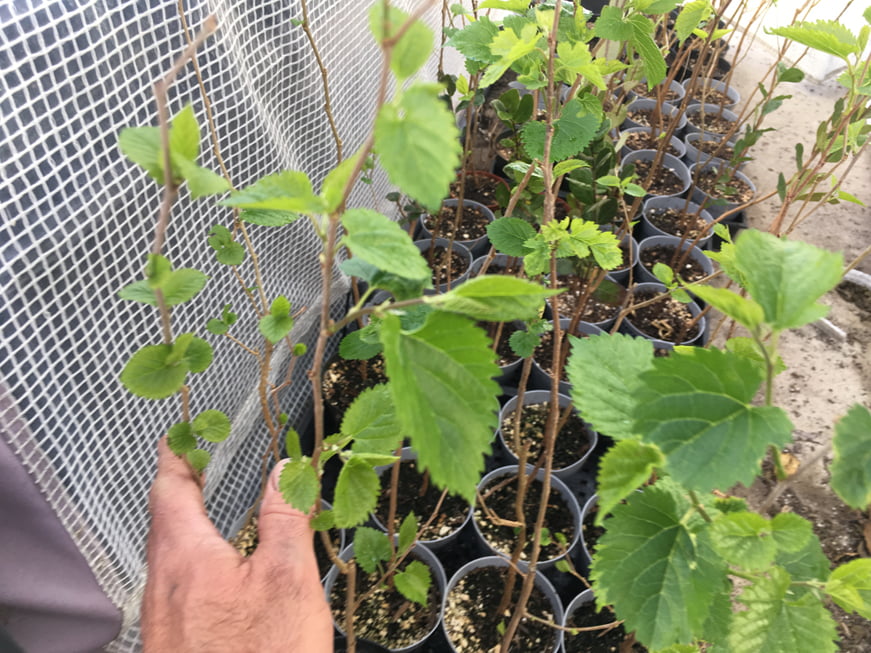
x=581 y=269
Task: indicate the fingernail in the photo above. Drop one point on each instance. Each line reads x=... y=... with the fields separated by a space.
x=276 y=473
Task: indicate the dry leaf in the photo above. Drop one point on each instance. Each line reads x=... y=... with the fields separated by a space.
x=790 y=463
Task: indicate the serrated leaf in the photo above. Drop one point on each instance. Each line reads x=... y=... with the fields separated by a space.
x=851 y=466
x=652 y=61
x=333 y=188
x=201 y=181
x=416 y=140
x=692 y=15
x=664 y=273
x=444 y=396
x=730 y=504
x=850 y=586
x=227 y=250
x=212 y=425
x=370 y=548
x=744 y=539
x=278 y=323
x=565 y=167
x=298 y=484
x=323 y=521
x=790 y=531
x=413 y=582
x=808 y=564
x=217 y=327
x=655 y=565
x=178 y=287
x=352 y=347
x=473 y=41
x=382 y=243
x=749 y=349
x=184 y=134
x=412 y=50
x=356 y=493
x=743 y=310
x=494 y=298
x=695 y=405
x=289 y=190
x=407 y=533
x=523 y=343
x=774 y=271
x=180 y=438
x=775 y=622
x=198 y=355
x=624 y=467
x=604 y=372
x=508 y=235
x=142 y=146
x=507 y=47
x=827 y=36
x=573 y=131
x=198 y=459
x=786 y=74
x=268 y=218
x=371 y=421
x=611 y=25
x=292 y=447
x=147 y=373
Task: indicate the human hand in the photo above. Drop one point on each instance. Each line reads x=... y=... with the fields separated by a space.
x=202 y=595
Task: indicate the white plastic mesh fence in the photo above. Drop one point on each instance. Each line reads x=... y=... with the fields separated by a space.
x=77 y=219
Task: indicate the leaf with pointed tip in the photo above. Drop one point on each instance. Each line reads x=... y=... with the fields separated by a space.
x=850 y=586
x=624 y=467
x=379 y=241
x=744 y=539
x=411 y=51
x=416 y=141
x=177 y=287
x=652 y=61
x=695 y=405
x=473 y=41
x=444 y=396
x=656 y=566
x=354 y=347
x=827 y=36
x=201 y=181
x=851 y=467
x=407 y=533
x=495 y=298
x=775 y=274
x=509 y=235
x=289 y=190
x=370 y=548
x=356 y=493
x=743 y=310
x=604 y=372
x=611 y=25
x=298 y=484
x=413 y=582
x=692 y=15
x=371 y=421
x=268 y=217
x=774 y=621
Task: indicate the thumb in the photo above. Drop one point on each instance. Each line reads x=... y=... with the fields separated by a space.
x=284 y=531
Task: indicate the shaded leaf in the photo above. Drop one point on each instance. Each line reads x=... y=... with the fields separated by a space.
x=850 y=586
x=370 y=548
x=413 y=582
x=382 y=243
x=356 y=493
x=624 y=467
x=496 y=298
x=851 y=466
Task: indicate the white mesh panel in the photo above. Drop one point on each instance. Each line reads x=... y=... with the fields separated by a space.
x=77 y=220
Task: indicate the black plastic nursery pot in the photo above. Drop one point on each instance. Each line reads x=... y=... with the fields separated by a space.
x=383 y=633
x=634 y=326
x=676 y=186
x=540 y=376
x=472 y=212
x=434 y=249
x=705 y=89
x=718 y=203
x=469 y=608
x=697 y=262
x=651 y=222
x=710 y=119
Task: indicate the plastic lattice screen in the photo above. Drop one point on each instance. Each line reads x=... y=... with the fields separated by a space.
x=77 y=219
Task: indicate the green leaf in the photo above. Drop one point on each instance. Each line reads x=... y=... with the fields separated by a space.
x=473 y=41
x=407 y=533
x=227 y=250
x=371 y=421
x=507 y=47
x=786 y=74
x=611 y=25
x=412 y=50
x=354 y=347
x=624 y=467
x=655 y=565
x=292 y=444
x=370 y=548
x=289 y=190
x=565 y=167
x=851 y=466
x=573 y=131
x=827 y=36
x=809 y=564
x=695 y=406
x=850 y=586
x=298 y=484
x=212 y=425
x=267 y=217
x=749 y=349
x=323 y=521
x=743 y=310
x=278 y=323
x=693 y=14
x=416 y=140
x=142 y=146
x=444 y=396
x=495 y=298
x=508 y=235
x=356 y=493
x=198 y=459
x=652 y=60
x=413 y=582
x=184 y=134
x=180 y=438
x=523 y=343
x=791 y=532
x=744 y=539
x=333 y=188
x=178 y=287
x=199 y=355
x=148 y=374
x=381 y=242
x=201 y=181
x=776 y=622
x=604 y=372
x=775 y=274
